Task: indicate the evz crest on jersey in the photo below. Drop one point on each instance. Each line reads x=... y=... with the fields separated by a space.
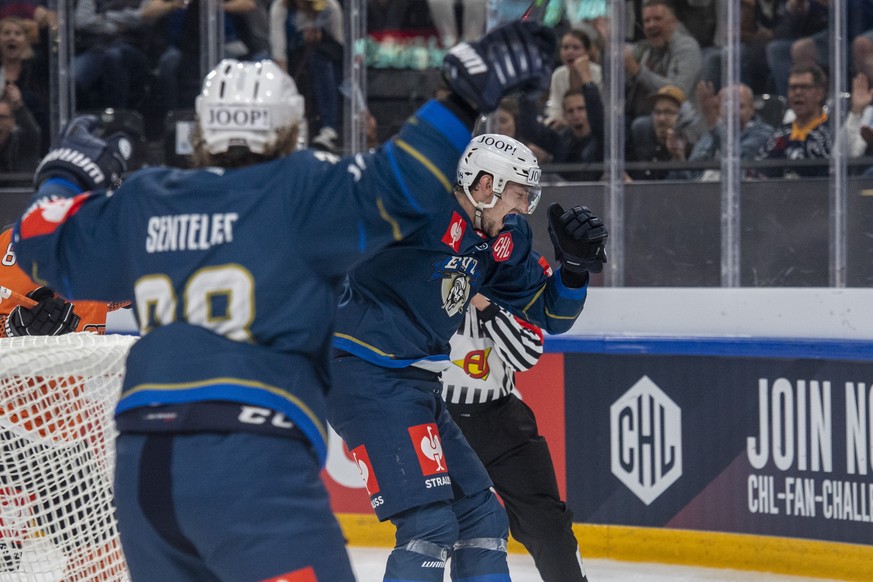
x=457 y=274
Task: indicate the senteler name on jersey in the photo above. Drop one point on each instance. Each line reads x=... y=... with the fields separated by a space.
x=189 y=232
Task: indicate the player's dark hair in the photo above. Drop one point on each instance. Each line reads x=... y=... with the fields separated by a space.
x=474 y=184
x=573 y=91
x=819 y=77
x=582 y=37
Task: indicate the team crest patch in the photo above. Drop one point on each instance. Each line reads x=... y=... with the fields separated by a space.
x=456 y=292
x=429 y=447
x=455 y=232
x=47 y=215
x=362 y=462
x=306 y=574
x=502 y=247
x=457 y=276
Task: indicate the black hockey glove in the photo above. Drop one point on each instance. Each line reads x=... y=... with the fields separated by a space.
x=50 y=316
x=84 y=158
x=579 y=238
x=514 y=57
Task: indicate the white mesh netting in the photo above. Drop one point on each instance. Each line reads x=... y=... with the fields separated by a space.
x=57 y=395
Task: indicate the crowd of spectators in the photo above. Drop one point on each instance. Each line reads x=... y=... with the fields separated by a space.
x=138 y=55
x=24 y=72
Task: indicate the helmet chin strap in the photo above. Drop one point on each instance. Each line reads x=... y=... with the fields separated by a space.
x=480 y=206
x=477 y=218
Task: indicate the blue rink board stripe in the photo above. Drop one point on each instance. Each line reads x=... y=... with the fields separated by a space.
x=825 y=349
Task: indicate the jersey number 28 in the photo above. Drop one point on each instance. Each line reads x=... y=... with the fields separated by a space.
x=220 y=298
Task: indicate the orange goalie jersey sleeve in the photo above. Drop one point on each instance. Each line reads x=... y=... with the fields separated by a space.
x=12 y=278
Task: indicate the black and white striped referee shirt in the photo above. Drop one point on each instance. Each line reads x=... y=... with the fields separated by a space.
x=489 y=347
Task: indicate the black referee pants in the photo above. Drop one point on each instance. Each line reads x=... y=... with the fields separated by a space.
x=504 y=434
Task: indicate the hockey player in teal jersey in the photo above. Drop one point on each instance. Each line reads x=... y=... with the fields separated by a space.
x=397 y=314
x=235 y=270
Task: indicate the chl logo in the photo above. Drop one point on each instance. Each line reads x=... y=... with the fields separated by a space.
x=646 y=441
x=429 y=448
x=362 y=460
x=502 y=247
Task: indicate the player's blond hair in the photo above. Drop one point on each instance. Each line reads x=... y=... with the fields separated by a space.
x=240 y=156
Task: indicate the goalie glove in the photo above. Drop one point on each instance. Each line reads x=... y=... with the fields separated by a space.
x=85 y=159
x=514 y=57
x=579 y=238
x=50 y=316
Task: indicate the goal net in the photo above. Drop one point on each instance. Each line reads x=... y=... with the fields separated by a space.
x=57 y=396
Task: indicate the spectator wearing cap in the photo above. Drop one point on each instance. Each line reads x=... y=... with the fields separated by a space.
x=666 y=56
x=660 y=136
x=809 y=136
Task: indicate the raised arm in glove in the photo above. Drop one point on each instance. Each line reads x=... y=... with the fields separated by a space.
x=513 y=58
x=84 y=159
x=579 y=238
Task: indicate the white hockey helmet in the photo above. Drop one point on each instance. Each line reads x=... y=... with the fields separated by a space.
x=507 y=160
x=246 y=104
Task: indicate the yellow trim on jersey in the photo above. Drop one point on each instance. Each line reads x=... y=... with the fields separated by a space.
x=426 y=163
x=395 y=227
x=546 y=309
x=34 y=268
x=535 y=297
x=254 y=384
x=553 y=316
x=363 y=344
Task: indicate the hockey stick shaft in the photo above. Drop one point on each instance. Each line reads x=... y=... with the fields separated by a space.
x=536 y=11
x=17 y=297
